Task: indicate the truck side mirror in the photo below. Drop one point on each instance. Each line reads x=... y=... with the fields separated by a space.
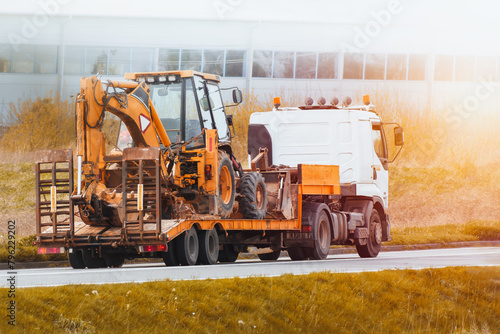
x=399 y=139
x=237 y=96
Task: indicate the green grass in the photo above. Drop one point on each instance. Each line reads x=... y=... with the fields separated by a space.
x=17 y=186
x=26 y=251
x=449 y=300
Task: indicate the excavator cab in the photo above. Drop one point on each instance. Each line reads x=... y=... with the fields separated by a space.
x=186 y=103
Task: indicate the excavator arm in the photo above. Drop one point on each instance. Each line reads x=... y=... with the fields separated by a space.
x=129 y=101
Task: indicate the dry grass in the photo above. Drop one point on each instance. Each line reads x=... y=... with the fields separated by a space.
x=450 y=300
x=45 y=123
x=438 y=196
x=444 y=234
x=447 y=172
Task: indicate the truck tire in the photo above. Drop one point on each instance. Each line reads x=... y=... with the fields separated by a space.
x=169 y=257
x=209 y=247
x=273 y=256
x=76 y=259
x=114 y=261
x=297 y=253
x=187 y=247
x=322 y=236
x=372 y=247
x=92 y=262
x=253 y=201
x=228 y=254
x=227 y=186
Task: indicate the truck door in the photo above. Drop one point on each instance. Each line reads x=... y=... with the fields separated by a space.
x=380 y=163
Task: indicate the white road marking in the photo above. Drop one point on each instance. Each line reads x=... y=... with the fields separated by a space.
x=341 y=263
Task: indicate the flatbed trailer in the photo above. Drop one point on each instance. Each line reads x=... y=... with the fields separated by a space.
x=151 y=236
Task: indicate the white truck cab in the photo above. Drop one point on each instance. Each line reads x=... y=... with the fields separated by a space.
x=351 y=137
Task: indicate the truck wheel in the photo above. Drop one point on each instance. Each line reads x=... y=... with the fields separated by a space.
x=92 y=262
x=187 y=247
x=273 y=256
x=253 y=202
x=114 y=261
x=169 y=257
x=209 y=247
x=227 y=186
x=297 y=254
x=322 y=236
x=372 y=247
x=76 y=259
x=228 y=254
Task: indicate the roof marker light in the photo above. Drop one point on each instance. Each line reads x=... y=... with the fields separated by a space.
x=346 y=101
x=309 y=101
x=334 y=101
x=150 y=79
x=366 y=100
x=277 y=102
x=321 y=101
x=162 y=78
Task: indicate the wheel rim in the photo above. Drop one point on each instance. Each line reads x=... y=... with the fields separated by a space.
x=323 y=234
x=225 y=185
x=377 y=233
x=211 y=245
x=191 y=246
x=259 y=196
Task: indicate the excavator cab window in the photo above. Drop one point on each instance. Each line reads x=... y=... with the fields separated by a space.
x=175 y=103
x=212 y=108
x=124 y=138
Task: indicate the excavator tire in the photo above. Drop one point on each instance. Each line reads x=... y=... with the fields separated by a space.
x=253 y=200
x=227 y=186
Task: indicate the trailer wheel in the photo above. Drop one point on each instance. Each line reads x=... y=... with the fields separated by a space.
x=187 y=247
x=92 y=262
x=228 y=254
x=297 y=254
x=253 y=202
x=372 y=247
x=114 y=261
x=322 y=236
x=169 y=257
x=227 y=186
x=209 y=247
x=273 y=256
x=76 y=259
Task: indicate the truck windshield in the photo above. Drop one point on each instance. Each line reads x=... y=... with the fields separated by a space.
x=180 y=125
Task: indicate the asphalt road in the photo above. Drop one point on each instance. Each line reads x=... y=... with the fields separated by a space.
x=342 y=263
